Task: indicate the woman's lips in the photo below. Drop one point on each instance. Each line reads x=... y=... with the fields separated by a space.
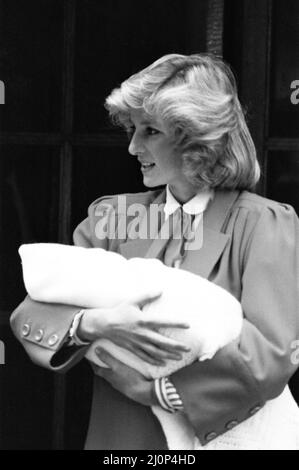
x=146 y=167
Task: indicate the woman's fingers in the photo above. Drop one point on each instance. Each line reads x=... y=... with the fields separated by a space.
x=151 y=358
x=141 y=351
x=153 y=350
x=146 y=300
x=157 y=352
x=143 y=336
x=155 y=325
x=160 y=341
x=144 y=347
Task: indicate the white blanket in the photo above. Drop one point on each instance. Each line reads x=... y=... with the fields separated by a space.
x=96 y=278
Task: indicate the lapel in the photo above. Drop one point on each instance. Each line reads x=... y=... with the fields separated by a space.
x=203 y=260
x=200 y=261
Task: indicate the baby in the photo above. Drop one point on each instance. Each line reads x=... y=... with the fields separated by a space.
x=94 y=277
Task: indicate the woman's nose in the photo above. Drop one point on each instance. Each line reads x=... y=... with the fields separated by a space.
x=135 y=146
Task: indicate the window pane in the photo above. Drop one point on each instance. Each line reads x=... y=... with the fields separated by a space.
x=284 y=115
x=99 y=172
x=28 y=210
x=283 y=177
x=116 y=38
x=79 y=398
x=31 y=45
x=26 y=398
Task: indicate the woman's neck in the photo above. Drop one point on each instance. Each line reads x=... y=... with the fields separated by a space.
x=183 y=193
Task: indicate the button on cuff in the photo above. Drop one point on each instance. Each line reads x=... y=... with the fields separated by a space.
x=210 y=436
x=231 y=424
x=52 y=340
x=254 y=410
x=26 y=329
x=39 y=335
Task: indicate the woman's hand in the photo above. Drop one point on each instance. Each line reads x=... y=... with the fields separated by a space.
x=126 y=380
x=123 y=325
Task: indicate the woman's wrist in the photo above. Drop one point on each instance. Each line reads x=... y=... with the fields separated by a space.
x=94 y=323
x=86 y=329
x=145 y=393
x=153 y=394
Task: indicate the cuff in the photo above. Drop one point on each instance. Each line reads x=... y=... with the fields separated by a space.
x=167 y=395
x=73 y=339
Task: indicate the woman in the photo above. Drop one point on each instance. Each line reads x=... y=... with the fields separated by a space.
x=188 y=132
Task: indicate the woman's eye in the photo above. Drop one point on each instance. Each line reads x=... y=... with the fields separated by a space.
x=148 y=131
x=151 y=131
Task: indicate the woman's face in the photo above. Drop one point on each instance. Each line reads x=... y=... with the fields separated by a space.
x=160 y=161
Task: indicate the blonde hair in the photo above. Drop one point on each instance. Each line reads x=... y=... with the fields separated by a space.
x=196 y=97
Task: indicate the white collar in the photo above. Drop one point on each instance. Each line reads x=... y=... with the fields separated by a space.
x=195 y=206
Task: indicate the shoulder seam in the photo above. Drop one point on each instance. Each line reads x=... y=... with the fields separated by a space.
x=256 y=201
x=113 y=199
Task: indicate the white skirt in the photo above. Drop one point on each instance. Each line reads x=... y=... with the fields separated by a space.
x=274 y=427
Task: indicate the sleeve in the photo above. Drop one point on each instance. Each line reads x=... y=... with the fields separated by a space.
x=167 y=395
x=43 y=328
x=220 y=393
x=73 y=336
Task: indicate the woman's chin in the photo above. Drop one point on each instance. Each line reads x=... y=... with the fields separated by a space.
x=150 y=182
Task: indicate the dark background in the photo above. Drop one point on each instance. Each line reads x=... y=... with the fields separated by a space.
x=58 y=60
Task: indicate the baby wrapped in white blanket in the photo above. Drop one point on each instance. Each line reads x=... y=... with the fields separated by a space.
x=94 y=277
x=98 y=278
